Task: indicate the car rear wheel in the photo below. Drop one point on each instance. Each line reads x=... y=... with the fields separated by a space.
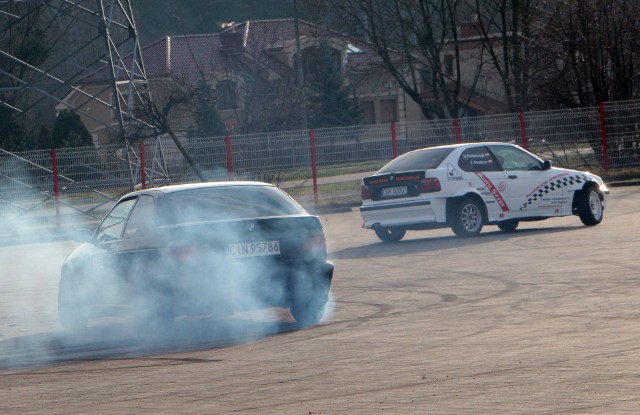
x=467 y=217
x=308 y=311
x=508 y=226
x=151 y=300
x=589 y=205
x=308 y=300
x=390 y=234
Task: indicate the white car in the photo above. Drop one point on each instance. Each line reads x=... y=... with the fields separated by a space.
x=467 y=186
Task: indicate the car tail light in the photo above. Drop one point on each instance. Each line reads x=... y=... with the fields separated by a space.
x=365 y=192
x=315 y=243
x=430 y=185
x=183 y=253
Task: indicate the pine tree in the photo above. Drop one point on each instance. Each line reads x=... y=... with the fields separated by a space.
x=330 y=102
x=69 y=131
x=43 y=140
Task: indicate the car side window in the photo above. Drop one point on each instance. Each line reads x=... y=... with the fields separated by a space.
x=141 y=218
x=476 y=159
x=111 y=227
x=516 y=159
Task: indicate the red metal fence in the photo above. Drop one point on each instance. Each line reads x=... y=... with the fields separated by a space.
x=316 y=167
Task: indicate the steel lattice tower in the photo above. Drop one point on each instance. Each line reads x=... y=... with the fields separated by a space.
x=81 y=37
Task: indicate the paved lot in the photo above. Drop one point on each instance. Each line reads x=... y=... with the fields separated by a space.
x=542 y=321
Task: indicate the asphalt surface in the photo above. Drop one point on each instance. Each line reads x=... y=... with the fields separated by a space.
x=544 y=321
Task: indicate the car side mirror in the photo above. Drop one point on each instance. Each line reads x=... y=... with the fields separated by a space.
x=546 y=165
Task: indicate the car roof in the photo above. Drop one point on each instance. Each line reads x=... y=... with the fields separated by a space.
x=479 y=143
x=194 y=186
x=464 y=145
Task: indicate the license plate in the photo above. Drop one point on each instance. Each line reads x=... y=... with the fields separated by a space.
x=261 y=248
x=394 y=191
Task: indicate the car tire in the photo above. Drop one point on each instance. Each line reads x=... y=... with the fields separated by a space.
x=307 y=312
x=508 y=226
x=73 y=313
x=589 y=206
x=467 y=217
x=151 y=301
x=390 y=234
x=308 y=302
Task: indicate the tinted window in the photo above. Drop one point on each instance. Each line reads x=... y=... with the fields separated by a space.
x=477 y=159
x=515 y=158
x=112 y=225
x=141 y=219
x=233 y=202
x=426 y=159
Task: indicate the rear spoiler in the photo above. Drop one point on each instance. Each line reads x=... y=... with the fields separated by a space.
x=383 y=179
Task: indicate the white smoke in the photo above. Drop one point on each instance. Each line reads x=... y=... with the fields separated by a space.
x=201 y=315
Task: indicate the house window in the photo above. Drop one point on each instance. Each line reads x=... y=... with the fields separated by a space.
x=368 y=112
x=226 y=94
x=388 y=111
x=448 y=65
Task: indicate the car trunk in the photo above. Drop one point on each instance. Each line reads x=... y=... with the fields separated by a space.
x=286 y=240
x=395 y=185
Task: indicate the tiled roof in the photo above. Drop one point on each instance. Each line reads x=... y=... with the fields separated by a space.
x=185 y=56
x=178 y=56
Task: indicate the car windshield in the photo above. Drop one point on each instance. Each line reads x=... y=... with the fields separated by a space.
x=229 y=202
x=426 y=159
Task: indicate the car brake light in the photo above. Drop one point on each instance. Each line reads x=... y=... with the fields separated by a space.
x=430 y=185
x=315 y=243
x=365 y=192
x=183 y=253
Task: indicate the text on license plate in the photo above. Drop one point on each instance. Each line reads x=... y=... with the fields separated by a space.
x=261 y=248
x=394 y=191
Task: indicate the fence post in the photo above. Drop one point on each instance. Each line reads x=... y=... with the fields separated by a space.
x=56 y=187
x=143 y=171
x=394 y=141
x=227 y=149
x=456 y=130
x=603 y=143
x=523 y=131
x=314 y=171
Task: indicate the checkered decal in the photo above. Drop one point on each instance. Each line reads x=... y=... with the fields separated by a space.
x=555 y=185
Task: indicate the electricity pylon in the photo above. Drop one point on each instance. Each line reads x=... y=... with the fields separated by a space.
x=82 y=38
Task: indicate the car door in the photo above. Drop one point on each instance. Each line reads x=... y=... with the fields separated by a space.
x=482 y=172
x=104 y=266
x=532 y=187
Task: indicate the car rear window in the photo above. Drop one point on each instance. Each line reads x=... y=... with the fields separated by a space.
x=426 y=159
x=232 y=202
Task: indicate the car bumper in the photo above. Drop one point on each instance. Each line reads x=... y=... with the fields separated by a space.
x=400 y=213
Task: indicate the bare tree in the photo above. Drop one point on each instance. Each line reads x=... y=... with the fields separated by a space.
x=595 y=50
x=594 y=46
x=411 y=38
x=511 y=31
x=162 y=114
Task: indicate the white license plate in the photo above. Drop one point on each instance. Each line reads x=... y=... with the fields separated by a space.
x=261 y=248
x=394 y=191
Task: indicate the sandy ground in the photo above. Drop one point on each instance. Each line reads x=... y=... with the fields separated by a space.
x=541 y=321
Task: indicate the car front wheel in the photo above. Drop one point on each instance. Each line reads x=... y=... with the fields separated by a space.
x=390 y=234
x=467 y=217
x=73 y=313
x=589 y=205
